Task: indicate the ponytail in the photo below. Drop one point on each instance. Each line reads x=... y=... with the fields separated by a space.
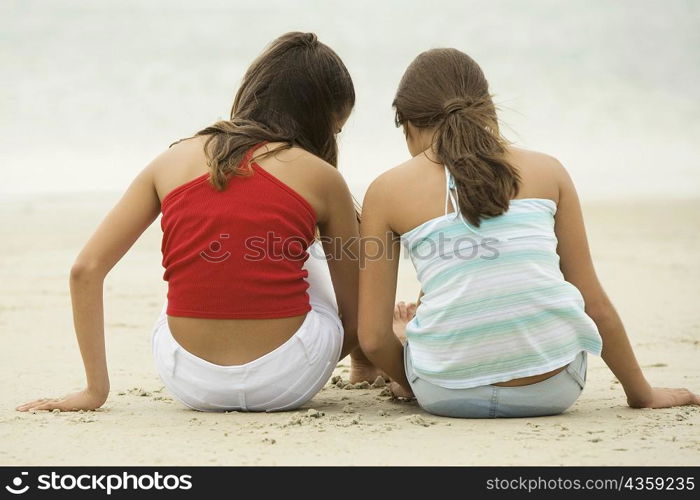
x=445 y=90
x=468 y=143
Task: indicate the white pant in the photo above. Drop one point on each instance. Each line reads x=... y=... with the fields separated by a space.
x=282 y=379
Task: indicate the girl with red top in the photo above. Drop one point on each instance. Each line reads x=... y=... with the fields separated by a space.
x=256 y=318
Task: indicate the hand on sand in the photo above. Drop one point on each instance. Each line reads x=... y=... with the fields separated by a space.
x=662 y=397
x=399 y=392
x=83 y=400
x=403 y=313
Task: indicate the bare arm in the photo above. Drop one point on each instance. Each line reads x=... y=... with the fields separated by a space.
x=577 y=267
x=378 y=277
x=339 y=231
x=136 y=210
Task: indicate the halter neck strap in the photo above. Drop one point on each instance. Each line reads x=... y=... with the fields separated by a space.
x=452 y=195
x=249 y=154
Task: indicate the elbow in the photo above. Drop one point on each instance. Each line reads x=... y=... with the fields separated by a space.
x=601 y=312
x=85 y=270
x=370 y=344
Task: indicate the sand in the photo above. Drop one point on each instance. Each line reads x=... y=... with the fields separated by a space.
x=646 y=255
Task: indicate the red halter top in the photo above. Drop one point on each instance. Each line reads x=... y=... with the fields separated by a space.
x=237 y=253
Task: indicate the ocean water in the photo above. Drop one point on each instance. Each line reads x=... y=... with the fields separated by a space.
x=91 y=91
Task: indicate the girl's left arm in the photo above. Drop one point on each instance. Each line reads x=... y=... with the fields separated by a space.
x=577 y=267
x=136 y=210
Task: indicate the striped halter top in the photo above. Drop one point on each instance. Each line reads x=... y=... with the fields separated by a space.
x=495 y=304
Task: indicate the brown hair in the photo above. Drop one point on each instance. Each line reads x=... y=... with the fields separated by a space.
x=295 y=92
x=445 y=89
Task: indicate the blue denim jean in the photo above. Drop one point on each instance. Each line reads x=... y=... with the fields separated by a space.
x=548 y=397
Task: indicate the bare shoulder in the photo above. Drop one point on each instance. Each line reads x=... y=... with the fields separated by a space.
x=406 y=195
x=184 y=153
x=316 y=180
x=534 y=160
x=400 y=181
x=541 y=174
x=316 y=173
x=180 y=163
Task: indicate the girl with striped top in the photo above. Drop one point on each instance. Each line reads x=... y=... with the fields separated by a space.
x=510 y=304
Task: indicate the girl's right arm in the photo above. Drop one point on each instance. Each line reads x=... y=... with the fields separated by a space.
x=380 y=250
x=137 y=209
x=577 y=267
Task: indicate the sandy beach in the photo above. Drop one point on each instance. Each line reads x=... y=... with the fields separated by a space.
x=646 y=256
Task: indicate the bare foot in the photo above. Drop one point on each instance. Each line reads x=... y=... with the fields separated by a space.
x=400 y=392
x=403 y=313
x=362 y=369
